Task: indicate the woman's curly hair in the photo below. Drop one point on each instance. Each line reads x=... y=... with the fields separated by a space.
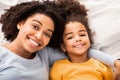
x=22 y=11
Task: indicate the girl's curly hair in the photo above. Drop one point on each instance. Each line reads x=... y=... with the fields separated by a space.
x=72 y=10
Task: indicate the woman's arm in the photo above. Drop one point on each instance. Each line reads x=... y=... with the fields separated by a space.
x=55 y=54
x=101 y=56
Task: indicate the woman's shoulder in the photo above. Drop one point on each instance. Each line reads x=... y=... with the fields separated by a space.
x=3 y=51
x=4 y=54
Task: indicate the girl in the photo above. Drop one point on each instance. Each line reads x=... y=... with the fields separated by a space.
x=76 y=42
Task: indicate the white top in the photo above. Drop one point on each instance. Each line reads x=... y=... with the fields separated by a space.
x=14 y=67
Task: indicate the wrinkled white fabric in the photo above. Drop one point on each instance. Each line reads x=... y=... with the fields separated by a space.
x=104 y=20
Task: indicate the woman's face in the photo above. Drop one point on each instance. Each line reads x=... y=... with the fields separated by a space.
x=35 y=33
x=75 y=39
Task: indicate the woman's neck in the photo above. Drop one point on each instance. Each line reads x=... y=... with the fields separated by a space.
x=19 y=50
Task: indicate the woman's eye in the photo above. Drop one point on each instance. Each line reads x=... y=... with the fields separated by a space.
x=48 y=35
x=35 y=27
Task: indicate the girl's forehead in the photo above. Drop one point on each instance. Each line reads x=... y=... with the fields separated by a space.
x=74 y=26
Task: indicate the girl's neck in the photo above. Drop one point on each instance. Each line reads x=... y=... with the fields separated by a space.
x=78 y=58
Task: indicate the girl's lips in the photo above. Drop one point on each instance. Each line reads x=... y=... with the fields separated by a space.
x=78 y=46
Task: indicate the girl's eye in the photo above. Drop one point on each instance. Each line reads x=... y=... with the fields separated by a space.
x=69 y=38
x=82 y=35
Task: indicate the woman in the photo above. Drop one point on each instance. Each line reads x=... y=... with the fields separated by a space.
x=29 y=27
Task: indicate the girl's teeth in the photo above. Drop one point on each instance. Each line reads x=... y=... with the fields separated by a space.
x=78 y=46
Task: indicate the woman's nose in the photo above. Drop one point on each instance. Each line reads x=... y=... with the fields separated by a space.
x=38 y=35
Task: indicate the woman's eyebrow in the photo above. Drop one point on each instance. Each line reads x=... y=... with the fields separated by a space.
x=38 y=21
x=50 y=30
x=42 y=24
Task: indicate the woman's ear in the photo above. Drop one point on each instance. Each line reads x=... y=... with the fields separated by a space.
x=19 y=25
x=63 y=48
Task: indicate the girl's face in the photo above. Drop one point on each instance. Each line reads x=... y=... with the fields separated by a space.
x=35 y=33
x=75 y=39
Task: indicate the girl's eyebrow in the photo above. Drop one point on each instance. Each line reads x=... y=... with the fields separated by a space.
x=72 y=32
x=68 y=33
x=82 y=30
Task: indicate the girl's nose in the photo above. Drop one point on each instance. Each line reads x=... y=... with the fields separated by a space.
x=77 y=38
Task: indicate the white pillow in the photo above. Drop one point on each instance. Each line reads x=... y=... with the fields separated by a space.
x=104 y=20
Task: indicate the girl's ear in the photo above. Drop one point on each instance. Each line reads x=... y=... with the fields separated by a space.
x=19 y=25
x=63 y=48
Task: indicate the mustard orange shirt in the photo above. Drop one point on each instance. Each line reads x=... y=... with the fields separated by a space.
x=90 y=70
